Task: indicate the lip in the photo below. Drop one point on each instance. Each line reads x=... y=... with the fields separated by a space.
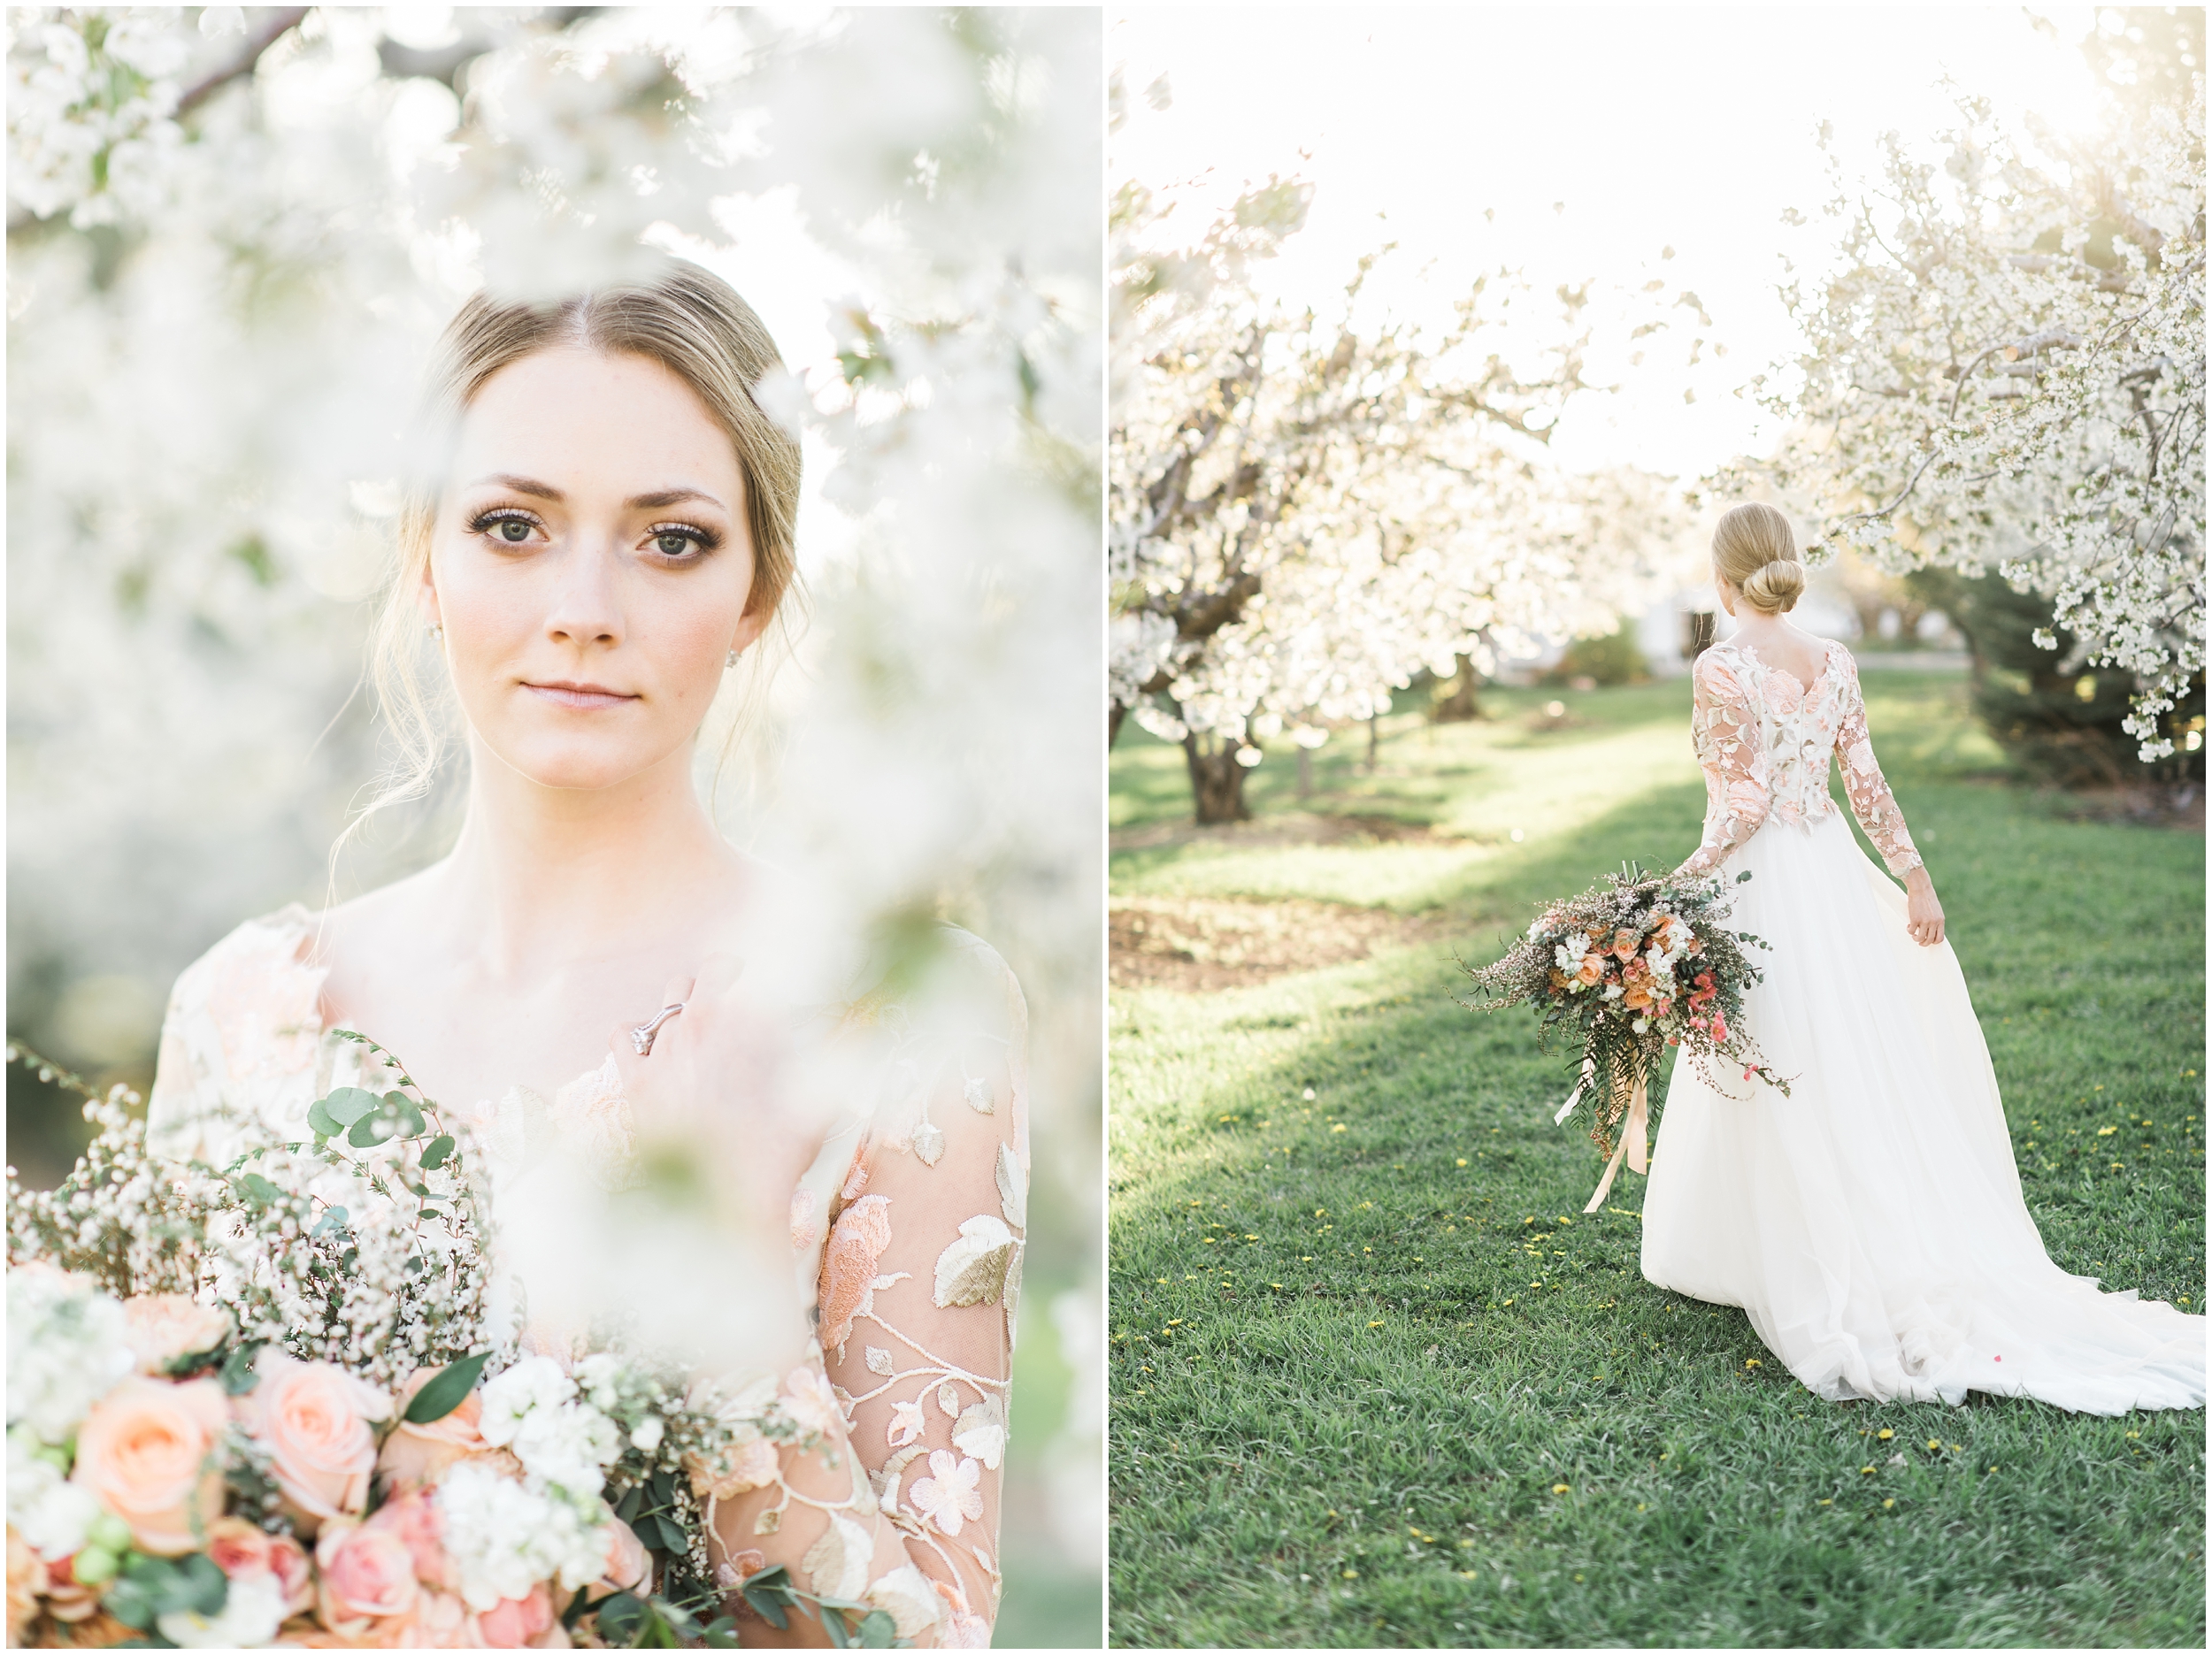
x=568 y=693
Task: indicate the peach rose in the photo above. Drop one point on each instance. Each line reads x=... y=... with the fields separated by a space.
x=1624 y=943
x=25 y=1577
x=365 y=1576
x=415 y=1519
x=416 y=1456
x=847 y=1287
x=1638 y=998
x=164 y=1327
x=314 y=1420
x=628 y=1564
x=148 y=1451
x=511 y=1622
x=442 y=1622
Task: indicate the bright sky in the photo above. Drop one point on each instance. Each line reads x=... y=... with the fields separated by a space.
x=1599 y=136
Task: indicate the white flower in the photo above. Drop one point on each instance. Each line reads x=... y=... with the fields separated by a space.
x=568 y=1446
x=533 y=1383
x=68 y=1343
x=1641 y=1024
x=51 y=1513
x=645 y=1436
x=597 y=1376
x=948 y=1496
x=252 y=1612
x=1614 y=991
x=503 y=1537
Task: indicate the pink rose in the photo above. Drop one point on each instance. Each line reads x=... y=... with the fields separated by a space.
x=416 y=1456
x=414 y=1517
x=511 y=1622
x=239 y=1548
x=164 y=1327
x=147 y=1449
x=313 y=1418
x=366 y=1574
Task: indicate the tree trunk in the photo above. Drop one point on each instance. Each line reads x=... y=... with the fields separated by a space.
x=1114 y=711
x=1217 y=780
x=1374 y=741
x=1460 y=705
x=1305 y=772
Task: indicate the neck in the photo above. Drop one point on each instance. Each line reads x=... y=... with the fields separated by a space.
x=546 y=874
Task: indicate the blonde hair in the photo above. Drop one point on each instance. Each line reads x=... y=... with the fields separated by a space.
x=1755 y=551
x=687 y=320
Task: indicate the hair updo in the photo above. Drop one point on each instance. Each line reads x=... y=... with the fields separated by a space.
x=1755 y=551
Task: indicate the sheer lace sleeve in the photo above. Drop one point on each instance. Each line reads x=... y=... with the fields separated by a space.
x=916 y=1302
x=1872 y=801
x=1734 y=758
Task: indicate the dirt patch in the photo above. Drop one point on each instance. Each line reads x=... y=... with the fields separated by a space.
x=1298 y=827
x=1198 y=945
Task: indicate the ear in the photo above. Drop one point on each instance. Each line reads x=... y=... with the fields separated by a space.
x=427 y=598
x=750 y=625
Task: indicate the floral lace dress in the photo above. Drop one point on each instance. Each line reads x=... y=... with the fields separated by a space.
x=1870 y=1223
x=908 y=1230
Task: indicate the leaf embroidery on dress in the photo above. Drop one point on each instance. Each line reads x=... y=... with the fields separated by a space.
x=977 y=1092
x=769 y=1520
x=906 y=1424
x=929 y=1143
x=836 y=1564
x=878 y=1361
x=973 y=1269
x=981 y=1431
x=1013 y=1196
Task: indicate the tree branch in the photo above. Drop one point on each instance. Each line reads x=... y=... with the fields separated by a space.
x=271 y=30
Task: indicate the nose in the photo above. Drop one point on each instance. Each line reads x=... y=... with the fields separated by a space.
x=586 y=607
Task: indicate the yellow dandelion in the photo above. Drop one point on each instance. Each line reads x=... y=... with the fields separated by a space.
x=1868 y=1471
x=1827 y=1502
x=1933 y=1445
x=1462 y=1161
x=1884 y=1434
x=1374 y=1324
x=1887 y=1504
x=1558 y=1487
x=1753 y=1361
x=1351 y=1574
x=1339 y=1127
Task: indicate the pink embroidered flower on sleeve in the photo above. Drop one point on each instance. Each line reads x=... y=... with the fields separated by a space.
x=846 y=1287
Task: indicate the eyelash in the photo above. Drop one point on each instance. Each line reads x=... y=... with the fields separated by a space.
x=706 y=540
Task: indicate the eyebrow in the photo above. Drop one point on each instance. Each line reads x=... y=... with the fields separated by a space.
x=641 y=502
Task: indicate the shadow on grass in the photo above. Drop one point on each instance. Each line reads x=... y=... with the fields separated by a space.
x=1376 y=1379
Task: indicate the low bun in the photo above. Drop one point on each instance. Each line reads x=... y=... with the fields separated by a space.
x=1755 y=551
x=1774 y=589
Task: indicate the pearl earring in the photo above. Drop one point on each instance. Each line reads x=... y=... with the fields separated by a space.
x=437 y=631
x=732 y=662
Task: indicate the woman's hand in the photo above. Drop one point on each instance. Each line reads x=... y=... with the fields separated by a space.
x=1923 y=914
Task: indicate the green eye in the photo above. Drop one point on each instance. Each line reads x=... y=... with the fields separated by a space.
x=514 y=531
x=672 y=545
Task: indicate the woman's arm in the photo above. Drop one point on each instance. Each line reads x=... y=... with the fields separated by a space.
x=719 y=1090
x=1876 y=809
x=1722 y=710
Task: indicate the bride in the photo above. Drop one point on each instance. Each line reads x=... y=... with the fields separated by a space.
x=611 y=531
x=1870 y=1223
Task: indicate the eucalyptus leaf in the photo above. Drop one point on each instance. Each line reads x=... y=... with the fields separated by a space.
x=258 y=1190
x=436 y=1155
x=348 y=1104
x=833 y=1623
x=448 y=1391
x=322 y=1122
x=878 y=1630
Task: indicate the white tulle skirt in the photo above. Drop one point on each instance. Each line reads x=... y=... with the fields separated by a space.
x=1870 y=1223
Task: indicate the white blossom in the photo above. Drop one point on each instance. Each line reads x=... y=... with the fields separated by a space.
x=68 y=1343
x=503 y=1537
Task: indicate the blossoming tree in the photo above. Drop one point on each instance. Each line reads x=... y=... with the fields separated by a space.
x=2008 y=369
x=1306 y=511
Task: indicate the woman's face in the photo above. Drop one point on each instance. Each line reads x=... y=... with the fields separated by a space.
x=590 y=563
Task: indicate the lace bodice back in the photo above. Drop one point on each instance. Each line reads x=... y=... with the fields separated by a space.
x=1763 y=741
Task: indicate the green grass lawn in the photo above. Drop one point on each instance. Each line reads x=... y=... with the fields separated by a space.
x=1375 y=1379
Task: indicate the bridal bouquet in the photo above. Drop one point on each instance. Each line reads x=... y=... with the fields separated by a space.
x=1634 y=965
x=265 y=1404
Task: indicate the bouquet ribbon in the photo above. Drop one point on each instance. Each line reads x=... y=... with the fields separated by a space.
x=1635 y=1129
